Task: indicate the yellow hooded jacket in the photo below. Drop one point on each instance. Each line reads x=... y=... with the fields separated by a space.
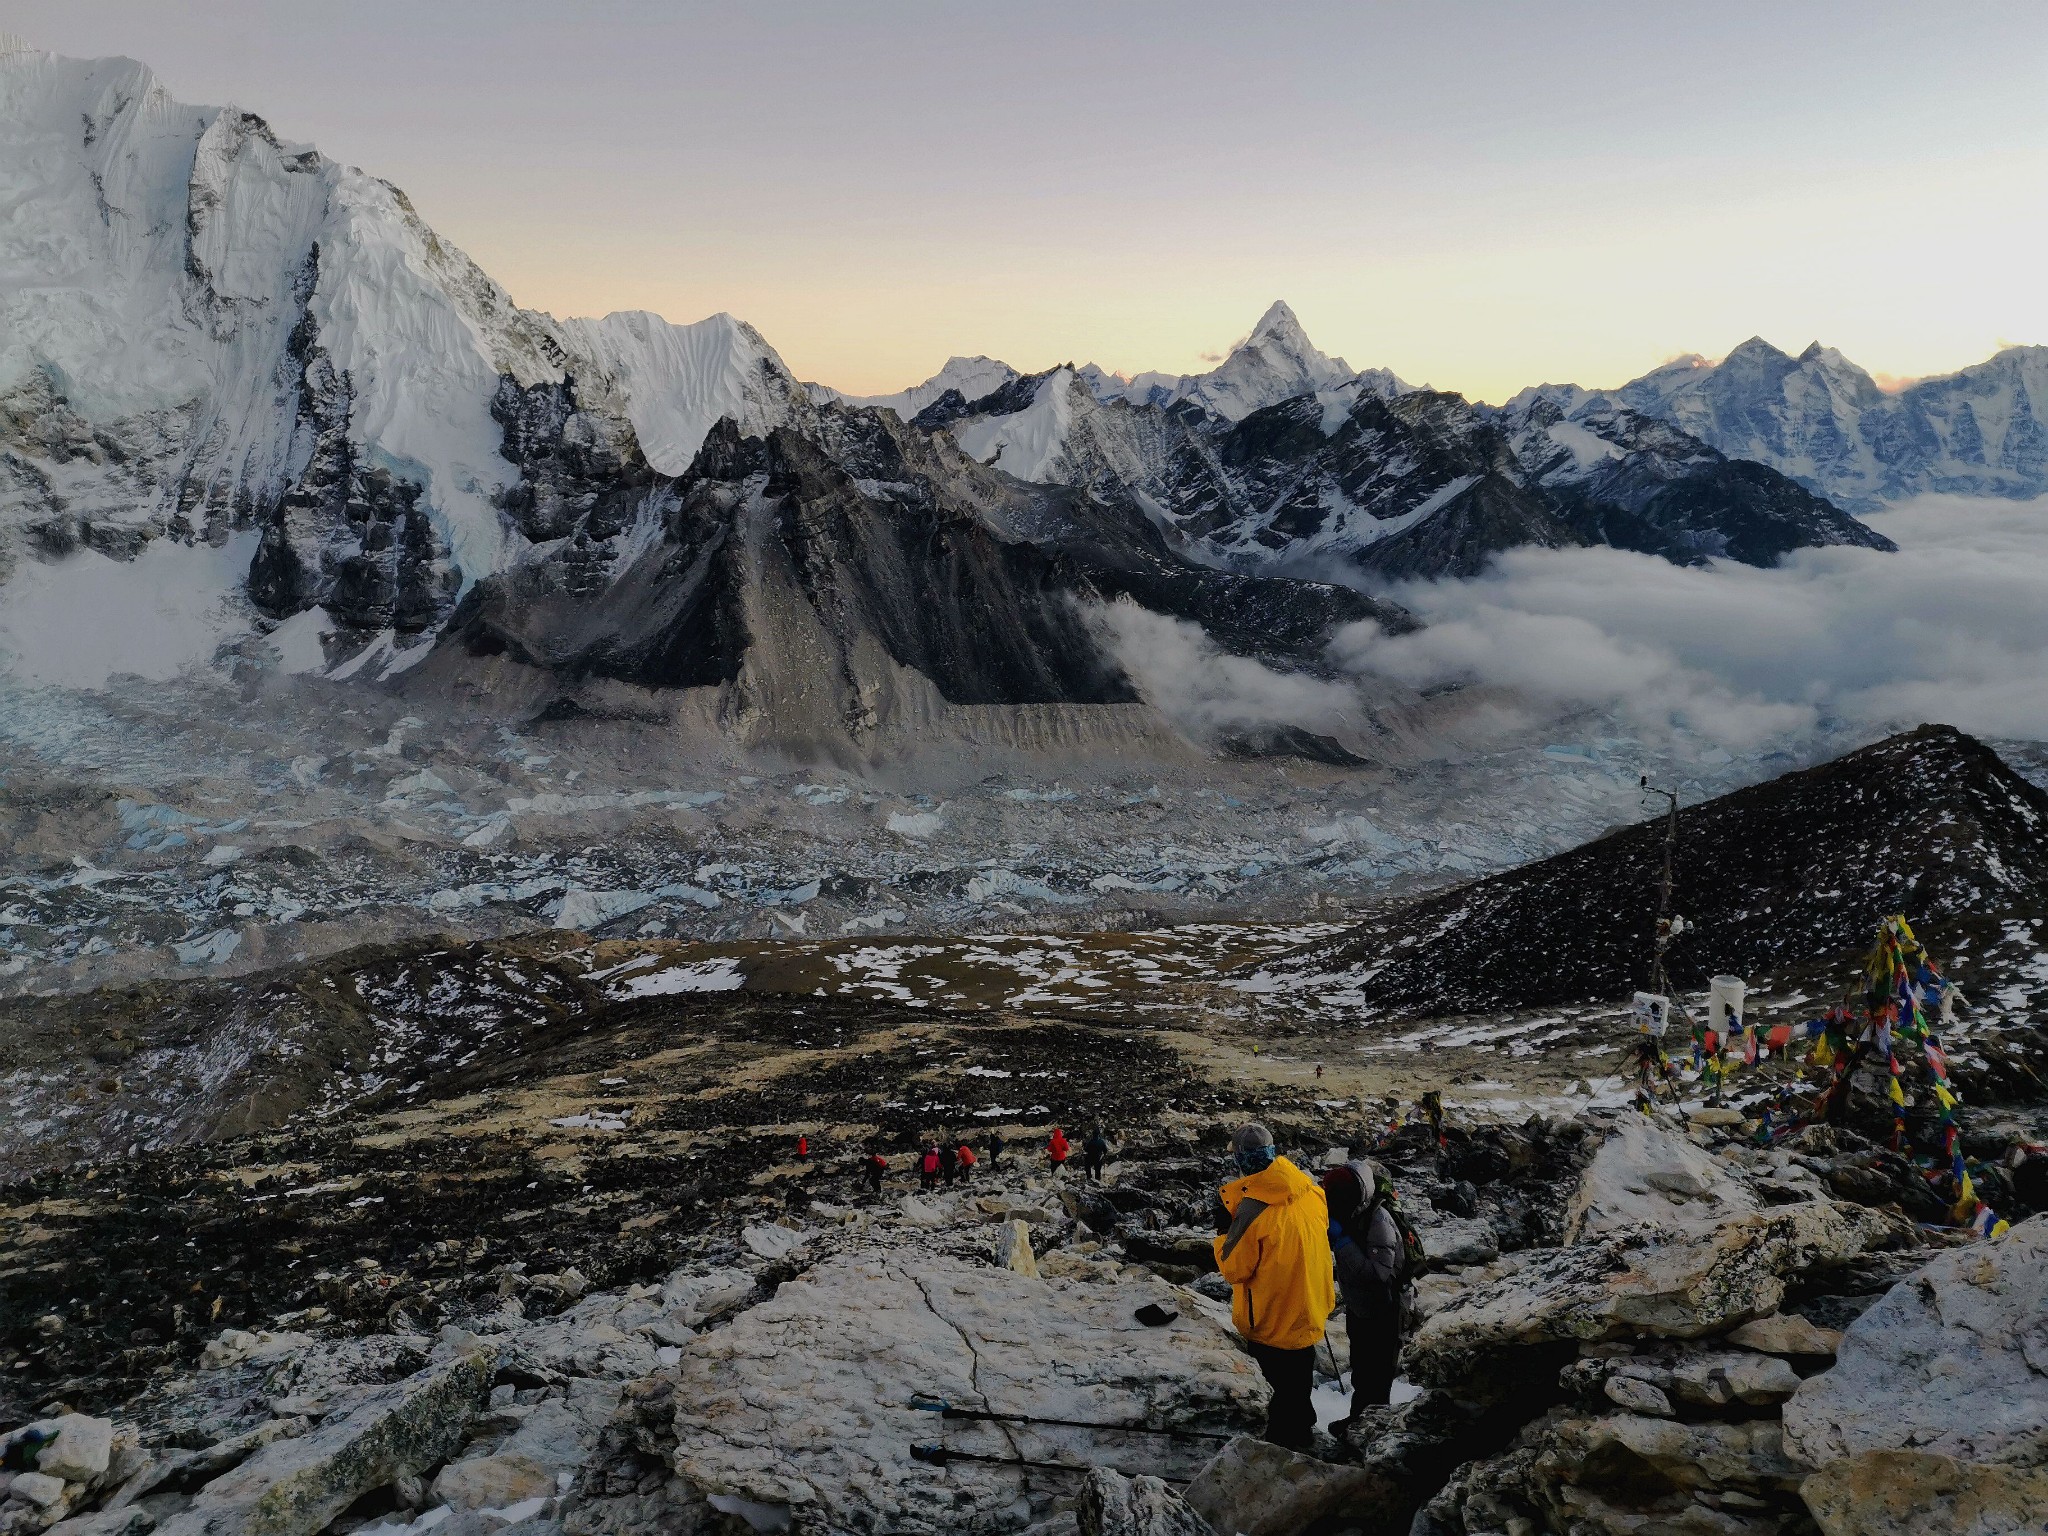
x=1283 y=1282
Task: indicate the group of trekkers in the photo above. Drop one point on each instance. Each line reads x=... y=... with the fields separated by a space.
x=1288 y=1245
x=949 y=1160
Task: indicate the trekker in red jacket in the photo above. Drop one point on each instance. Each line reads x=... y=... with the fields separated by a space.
x=1057 y=1149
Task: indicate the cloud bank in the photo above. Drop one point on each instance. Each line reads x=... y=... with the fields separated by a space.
x=1208 y=693
x=1953 y=628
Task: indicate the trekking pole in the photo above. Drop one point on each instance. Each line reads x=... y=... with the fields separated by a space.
x=925 y=1403
x=939 y=1456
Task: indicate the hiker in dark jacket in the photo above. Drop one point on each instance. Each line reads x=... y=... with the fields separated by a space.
x=1094 y=1153
x=949 y=1162
x=1367 y=1247
x=993 y=1145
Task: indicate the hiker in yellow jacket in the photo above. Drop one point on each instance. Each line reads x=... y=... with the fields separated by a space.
x=1274 y=1249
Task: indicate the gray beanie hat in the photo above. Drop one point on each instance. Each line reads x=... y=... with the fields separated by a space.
x=1250 y=1136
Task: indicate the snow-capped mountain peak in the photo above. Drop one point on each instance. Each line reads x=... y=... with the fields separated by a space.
x=1276 y=362
x=676 y=381
x=1824 y=421
x=1280 y=325
x=972 y=378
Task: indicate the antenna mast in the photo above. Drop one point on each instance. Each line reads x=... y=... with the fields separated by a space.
x=1665 y=928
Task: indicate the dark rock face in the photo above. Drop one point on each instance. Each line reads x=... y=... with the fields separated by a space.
x=875 y=538
x=980 y=616
x=1467 y=531
x=578 y=470
x=346 y=536
x=1666 y=493
x=1931 y=823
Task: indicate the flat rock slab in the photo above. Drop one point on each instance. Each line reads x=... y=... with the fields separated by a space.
x=1916 y=1493
x=1648 y=1176
x=1953 y=1361
x=804 y=1402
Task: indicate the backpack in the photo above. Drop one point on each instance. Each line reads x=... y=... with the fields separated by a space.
x=1414 y=1258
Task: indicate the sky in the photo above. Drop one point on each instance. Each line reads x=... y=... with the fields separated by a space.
x=1480 y=196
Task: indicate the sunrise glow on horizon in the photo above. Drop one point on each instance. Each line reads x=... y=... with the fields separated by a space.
x=1576 y=194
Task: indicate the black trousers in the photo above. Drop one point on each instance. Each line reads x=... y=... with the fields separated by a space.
x=1372 y=1316
x=1291 y=1416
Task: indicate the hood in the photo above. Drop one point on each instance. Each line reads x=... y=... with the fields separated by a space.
x=1276 y=1184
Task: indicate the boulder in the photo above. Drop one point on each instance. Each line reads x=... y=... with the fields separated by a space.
x=1648 y=1176
x=1460 y=1240
x=1114 y=1505
x=237 y=1346
x=80 y=1449
x=39 y=1489
x=1254 y=1488
x=497 y=1481
x=1952 y=1361
x=768 y=1241
x=294 y=1487
x=1721 y=1380
x=1188 y=1248
x=599 y=1336
x=1786 y=1333
x=805 y=1402
x=1013 y=1249
x=1916 y=1493
x=1674 y=1284
x=693 y=1300
x=1639 y=1396
x=1632 y=1476
x=191 y=1468
x=560 y=1434
x=1093 y=1209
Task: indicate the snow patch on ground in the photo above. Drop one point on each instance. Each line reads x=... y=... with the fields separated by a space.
x=720 y=975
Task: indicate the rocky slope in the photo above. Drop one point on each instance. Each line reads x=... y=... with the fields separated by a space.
x=1799 y=868
x=1825 y=422
x=582 y=1287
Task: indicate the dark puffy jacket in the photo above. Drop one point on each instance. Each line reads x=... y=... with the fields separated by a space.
x=1373 y=1258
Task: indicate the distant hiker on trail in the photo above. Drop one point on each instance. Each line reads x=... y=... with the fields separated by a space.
x=1371 y=1256
x=875 y=1167
x=803 y=1148
x=993 y=1144
x=1273 y=1246
x=1433 y=1112
x=1056 y=1151
x=965 y=1153
x=949 y=1162
x=928 y=1167
x=1094 y=1153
